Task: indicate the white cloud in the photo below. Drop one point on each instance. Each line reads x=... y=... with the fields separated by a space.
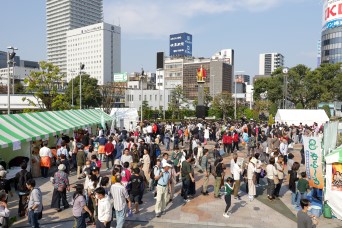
x=151 y=18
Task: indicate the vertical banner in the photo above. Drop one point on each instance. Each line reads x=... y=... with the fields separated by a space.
x=313 y=161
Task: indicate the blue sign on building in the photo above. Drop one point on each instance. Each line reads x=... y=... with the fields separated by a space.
x=181 y=44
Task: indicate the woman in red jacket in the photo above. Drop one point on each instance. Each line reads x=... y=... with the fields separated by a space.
x=227 y=142
x=235 y=141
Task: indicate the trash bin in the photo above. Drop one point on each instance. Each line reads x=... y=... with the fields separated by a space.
x=327 y=211
x=316 y=211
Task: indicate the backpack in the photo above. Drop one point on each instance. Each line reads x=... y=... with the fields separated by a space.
x=154 y=182
x=213 y=169
x=22 y=181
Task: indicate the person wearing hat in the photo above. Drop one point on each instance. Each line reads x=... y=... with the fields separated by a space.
x=60 y=186
x=4 y=183
x=251 y=176
x=163 y=183
x=79 y=207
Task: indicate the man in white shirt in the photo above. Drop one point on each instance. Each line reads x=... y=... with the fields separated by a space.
x=120 y=195
x=149 y=129
x=104 y=208
x=284 y=149
x=45 y=159
x=236 y=175
x=126 y=157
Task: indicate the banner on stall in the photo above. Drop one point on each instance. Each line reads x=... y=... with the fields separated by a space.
x=313 y=161
x=336 y=184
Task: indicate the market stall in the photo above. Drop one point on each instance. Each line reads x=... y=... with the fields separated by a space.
x=333 y=194
x=304 y=116
x=18 y=131
x=124 y=117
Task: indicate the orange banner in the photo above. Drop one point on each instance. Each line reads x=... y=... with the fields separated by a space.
x=313 y=161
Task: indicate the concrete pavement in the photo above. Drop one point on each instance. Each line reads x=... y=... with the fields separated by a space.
x=202 y=211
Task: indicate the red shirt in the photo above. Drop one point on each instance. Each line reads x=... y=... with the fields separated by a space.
x=236 y=137
x=109 y=148
x=227 y=139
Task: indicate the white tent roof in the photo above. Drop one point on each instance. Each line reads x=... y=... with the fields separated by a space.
x=304 y=116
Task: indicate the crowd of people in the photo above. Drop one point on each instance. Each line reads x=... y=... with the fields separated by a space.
x=136 y=162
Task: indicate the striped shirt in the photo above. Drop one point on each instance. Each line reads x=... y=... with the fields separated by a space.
x=119 y=194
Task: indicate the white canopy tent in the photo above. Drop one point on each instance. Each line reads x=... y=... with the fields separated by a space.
x=124 y=117
x=304 y=116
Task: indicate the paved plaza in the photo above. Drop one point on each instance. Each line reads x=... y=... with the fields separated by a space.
x=202 y=211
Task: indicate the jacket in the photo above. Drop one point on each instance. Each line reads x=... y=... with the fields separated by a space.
x=227 y=139
x=80 y=158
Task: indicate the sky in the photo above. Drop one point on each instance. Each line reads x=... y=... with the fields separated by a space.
x=250 y=27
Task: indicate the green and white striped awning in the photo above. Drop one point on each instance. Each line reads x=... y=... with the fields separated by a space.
x=25 y=127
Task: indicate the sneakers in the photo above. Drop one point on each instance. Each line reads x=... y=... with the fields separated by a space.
x=225 y=215
x=187 y=201
x=163 y=212
x=158 y=215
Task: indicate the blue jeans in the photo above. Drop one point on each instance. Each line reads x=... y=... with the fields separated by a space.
x=301 y=196
x=294 y=198
x=33 y=219
x=120 y=217
x=80 y=221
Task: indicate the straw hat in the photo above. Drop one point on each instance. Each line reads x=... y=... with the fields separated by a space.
x=61 y=167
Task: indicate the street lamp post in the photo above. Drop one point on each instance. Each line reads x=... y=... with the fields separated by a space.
x=285 y=72
x=10 y=57
x=141 y=84
x=81 y=68
x=72 y=87
x=13 y=66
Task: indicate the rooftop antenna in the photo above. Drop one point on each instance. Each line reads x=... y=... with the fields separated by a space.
x=119 y=21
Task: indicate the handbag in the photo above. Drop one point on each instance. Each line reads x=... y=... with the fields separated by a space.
x=61 y=188
x=276 y=180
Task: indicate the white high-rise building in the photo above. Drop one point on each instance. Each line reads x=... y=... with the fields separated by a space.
x=96 y=46
x=64 y=15
x=268 y=62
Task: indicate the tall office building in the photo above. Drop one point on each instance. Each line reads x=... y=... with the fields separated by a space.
x=64 y=15
x=331 y=48
x=269 y=62
x=96 y=46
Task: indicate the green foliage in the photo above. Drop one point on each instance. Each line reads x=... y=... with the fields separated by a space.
x=248 y=113
x=60 y=103
x=270 y=120
x=327 y=110
x=178 y=101
x=224 y=103
x=19 y=88
x=299 y=106
x=91 y=96
x=273 y=109
x=43 y=85
x=306 y=87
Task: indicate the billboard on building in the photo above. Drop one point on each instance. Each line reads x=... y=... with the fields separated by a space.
x=332 y=14
x=120 y=77
x=181 y=44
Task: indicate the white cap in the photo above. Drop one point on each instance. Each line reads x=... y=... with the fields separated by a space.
x=166 y=165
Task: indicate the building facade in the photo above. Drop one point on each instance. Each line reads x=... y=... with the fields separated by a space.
x=181 y=45
x=96 y=46
x=268 y=62
x=22 y=69
x=64 y=15
x=156 y=98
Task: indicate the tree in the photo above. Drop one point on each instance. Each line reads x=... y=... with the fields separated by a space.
x=224 y=103
x=43 y=85
x=327 y=110
x=178 y=101
x=60 y=103
x=91 y=96
x=270 y=120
